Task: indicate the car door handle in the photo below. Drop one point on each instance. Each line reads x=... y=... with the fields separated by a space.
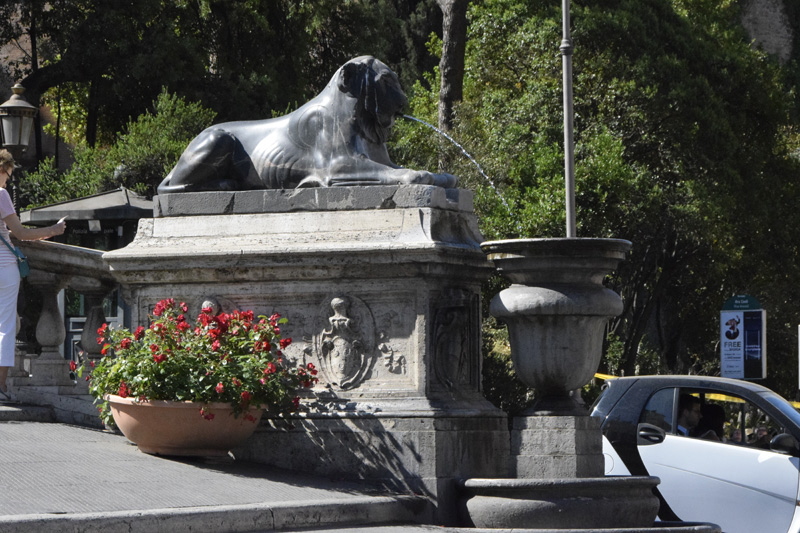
x=648 y=434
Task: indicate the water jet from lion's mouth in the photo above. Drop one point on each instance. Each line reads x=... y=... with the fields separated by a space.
x=472 y=159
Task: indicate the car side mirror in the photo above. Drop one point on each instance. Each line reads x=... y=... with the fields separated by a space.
x=785 y=444
x=648 y=434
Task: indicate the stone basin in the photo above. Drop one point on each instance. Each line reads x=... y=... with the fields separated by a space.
x=572 y=504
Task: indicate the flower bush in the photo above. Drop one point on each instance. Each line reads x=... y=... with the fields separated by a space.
x=235 y=358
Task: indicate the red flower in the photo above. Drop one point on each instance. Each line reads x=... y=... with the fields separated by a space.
x=296 y=402
x=73 y=366
x=220 y=388
x=102 y=330
x=245 y=396
x=155 y=348
x=236 y=382
x=205 y=414
x=271 y=368
x=184 y=307
x=139 y=333
x=159 y=357
x=163 y=305
x=312 y=369
x=205 y=318
x=123 y=390
x=125 y=343
x=105 y=349
x=285 y=342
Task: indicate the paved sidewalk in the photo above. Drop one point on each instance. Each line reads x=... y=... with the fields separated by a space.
x=59 y=478
x=62 y=478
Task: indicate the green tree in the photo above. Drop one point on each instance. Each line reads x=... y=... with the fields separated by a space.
x=241 y=59
x=138 y=160
x=683 y=146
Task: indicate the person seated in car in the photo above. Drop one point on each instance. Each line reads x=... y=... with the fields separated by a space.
x=689 y=413
x=712 y=423
x=761 y=438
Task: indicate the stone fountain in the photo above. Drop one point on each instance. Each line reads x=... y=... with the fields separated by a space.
x=381 y=285
x=556 y=311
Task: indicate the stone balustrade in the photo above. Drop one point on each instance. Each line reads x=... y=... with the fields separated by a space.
x=40 y=377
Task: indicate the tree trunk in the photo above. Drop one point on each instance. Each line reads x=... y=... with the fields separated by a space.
x=454 y=37
x=91 y=114
x=33 y=33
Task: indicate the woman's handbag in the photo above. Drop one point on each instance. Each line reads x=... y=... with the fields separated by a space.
x=22 y=261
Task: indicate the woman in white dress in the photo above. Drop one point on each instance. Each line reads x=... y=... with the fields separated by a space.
x=9 y=273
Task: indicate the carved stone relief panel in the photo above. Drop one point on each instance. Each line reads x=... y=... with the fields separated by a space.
x=364 y=346
x=455 y=340
x=347 y=344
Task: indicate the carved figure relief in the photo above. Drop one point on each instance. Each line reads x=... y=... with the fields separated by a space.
x=455 y=341
x=346 y=345
x=394 y=362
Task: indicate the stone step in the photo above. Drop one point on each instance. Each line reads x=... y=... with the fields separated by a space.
x=17 y=412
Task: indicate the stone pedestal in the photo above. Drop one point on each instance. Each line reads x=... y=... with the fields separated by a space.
x=556 y=447
x=381 y=287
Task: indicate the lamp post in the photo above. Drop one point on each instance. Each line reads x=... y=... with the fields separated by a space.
x=16 y=122
x=569 y=147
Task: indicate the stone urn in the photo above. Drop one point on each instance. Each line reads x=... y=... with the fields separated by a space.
x=556 y=311
x=179 y=428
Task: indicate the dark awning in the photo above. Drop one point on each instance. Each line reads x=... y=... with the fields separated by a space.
x=121 y=204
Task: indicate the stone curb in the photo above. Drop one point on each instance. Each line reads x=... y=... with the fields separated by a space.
x=228 y=518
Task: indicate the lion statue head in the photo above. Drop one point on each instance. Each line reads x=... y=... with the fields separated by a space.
x=380 y=97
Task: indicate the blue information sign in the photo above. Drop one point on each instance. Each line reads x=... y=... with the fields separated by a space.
x=743 y=338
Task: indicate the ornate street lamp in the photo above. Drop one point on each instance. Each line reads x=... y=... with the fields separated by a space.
x=16 y=122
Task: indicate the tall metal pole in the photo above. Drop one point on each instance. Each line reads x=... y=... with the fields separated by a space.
x=569 y=148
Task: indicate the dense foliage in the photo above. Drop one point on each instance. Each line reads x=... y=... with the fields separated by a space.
x=139 y=159
x=241 y=59
x=684 y=146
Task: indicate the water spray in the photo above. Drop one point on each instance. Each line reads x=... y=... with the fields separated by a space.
x=474 y=162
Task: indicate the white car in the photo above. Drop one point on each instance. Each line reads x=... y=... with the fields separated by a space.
x=740 y=468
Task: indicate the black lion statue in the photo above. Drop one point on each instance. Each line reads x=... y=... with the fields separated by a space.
x=338 y=138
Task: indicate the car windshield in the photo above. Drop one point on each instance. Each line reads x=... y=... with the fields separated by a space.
x=783 y=406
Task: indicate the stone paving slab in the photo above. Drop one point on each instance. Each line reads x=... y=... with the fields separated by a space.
x=63 y=478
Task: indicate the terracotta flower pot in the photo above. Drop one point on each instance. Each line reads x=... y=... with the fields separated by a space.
x=178 y=428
